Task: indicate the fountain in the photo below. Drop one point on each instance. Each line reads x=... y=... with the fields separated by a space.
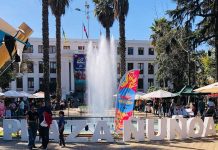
x=101 y=71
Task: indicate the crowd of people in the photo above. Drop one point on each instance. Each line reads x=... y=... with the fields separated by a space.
x=39 y=118
x=15 y=108
x=18 y=108
x=163 y=108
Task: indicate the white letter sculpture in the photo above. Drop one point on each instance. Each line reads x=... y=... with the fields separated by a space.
x=209 y=127
x=102 y=131
x=10 y=126
x=78 y=126
x=54 y=132
x=128 y=129
x=24 y=130
x=162 y=132
x=195 y=127
x=176 y=128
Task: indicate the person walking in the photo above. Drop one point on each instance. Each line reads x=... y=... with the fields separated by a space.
x=61 y=123
x=45 y=125
x=172 y=107
x=155 y=107
x=40 y=111
x=32 y=121
x=201 y=107
x=164 y=106
x=45 y=120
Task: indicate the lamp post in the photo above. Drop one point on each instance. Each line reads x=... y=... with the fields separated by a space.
x=86 y=13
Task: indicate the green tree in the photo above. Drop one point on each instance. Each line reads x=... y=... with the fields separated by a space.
x=171 y=53
x=202 y=15
x=104 y=11
x=205 y=69
x=58 y=9
x=121 y=8
x=6 y=78
x=45 y=42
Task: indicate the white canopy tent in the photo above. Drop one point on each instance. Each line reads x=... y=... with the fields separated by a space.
x=2 y=94
x=158 y=94
x=39 y=95
x=25 y=94
x=12 y=94
x=139 y=95
x=211 y=88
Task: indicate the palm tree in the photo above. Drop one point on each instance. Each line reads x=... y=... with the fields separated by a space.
x=58 y=9
x=121 y=8
x=45 y=40
x=105 y=13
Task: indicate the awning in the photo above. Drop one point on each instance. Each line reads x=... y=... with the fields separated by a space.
x=13 y=94
x=25 y=94
x=39 y=95
x=187 y=90
x=158 y=94
x=211 y=88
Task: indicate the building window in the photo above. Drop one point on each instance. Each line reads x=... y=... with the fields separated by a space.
x=40 y=49
x=95 y=47
x=41 y=87
x=150 y=68
x=52 y=49
x=141 y=51
x=150 y=82
x=52 y=85
x=118 y=68
x=30 y=84
x=53 y=67
x=141 y=67
x=130 y=66
x=140 y=84
x=30 y=67
x=40 y=67
x=52 y=80
x=66 y=47
x=19 y=83
x=150 y=51
x=130 y=50
x=28 y=50
x=118 y=50
x=81 y=48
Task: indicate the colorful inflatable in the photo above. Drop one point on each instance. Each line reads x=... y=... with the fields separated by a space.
x=11 y=40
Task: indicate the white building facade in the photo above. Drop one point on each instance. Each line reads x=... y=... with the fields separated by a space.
x=139 y=55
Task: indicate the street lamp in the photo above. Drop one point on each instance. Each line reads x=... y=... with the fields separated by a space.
x=86 y=13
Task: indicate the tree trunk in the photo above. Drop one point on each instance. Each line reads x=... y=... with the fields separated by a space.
x=45 y=41
x=216 y=37
x=58 y=57
x=122 y=44
x=107 y=33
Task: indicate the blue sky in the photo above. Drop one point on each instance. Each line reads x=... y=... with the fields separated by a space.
x=140 y=17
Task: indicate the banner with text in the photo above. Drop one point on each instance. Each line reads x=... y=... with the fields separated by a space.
x=125 y=98
x=79 y=72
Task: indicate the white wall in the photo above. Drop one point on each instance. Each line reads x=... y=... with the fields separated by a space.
x=67 y=57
